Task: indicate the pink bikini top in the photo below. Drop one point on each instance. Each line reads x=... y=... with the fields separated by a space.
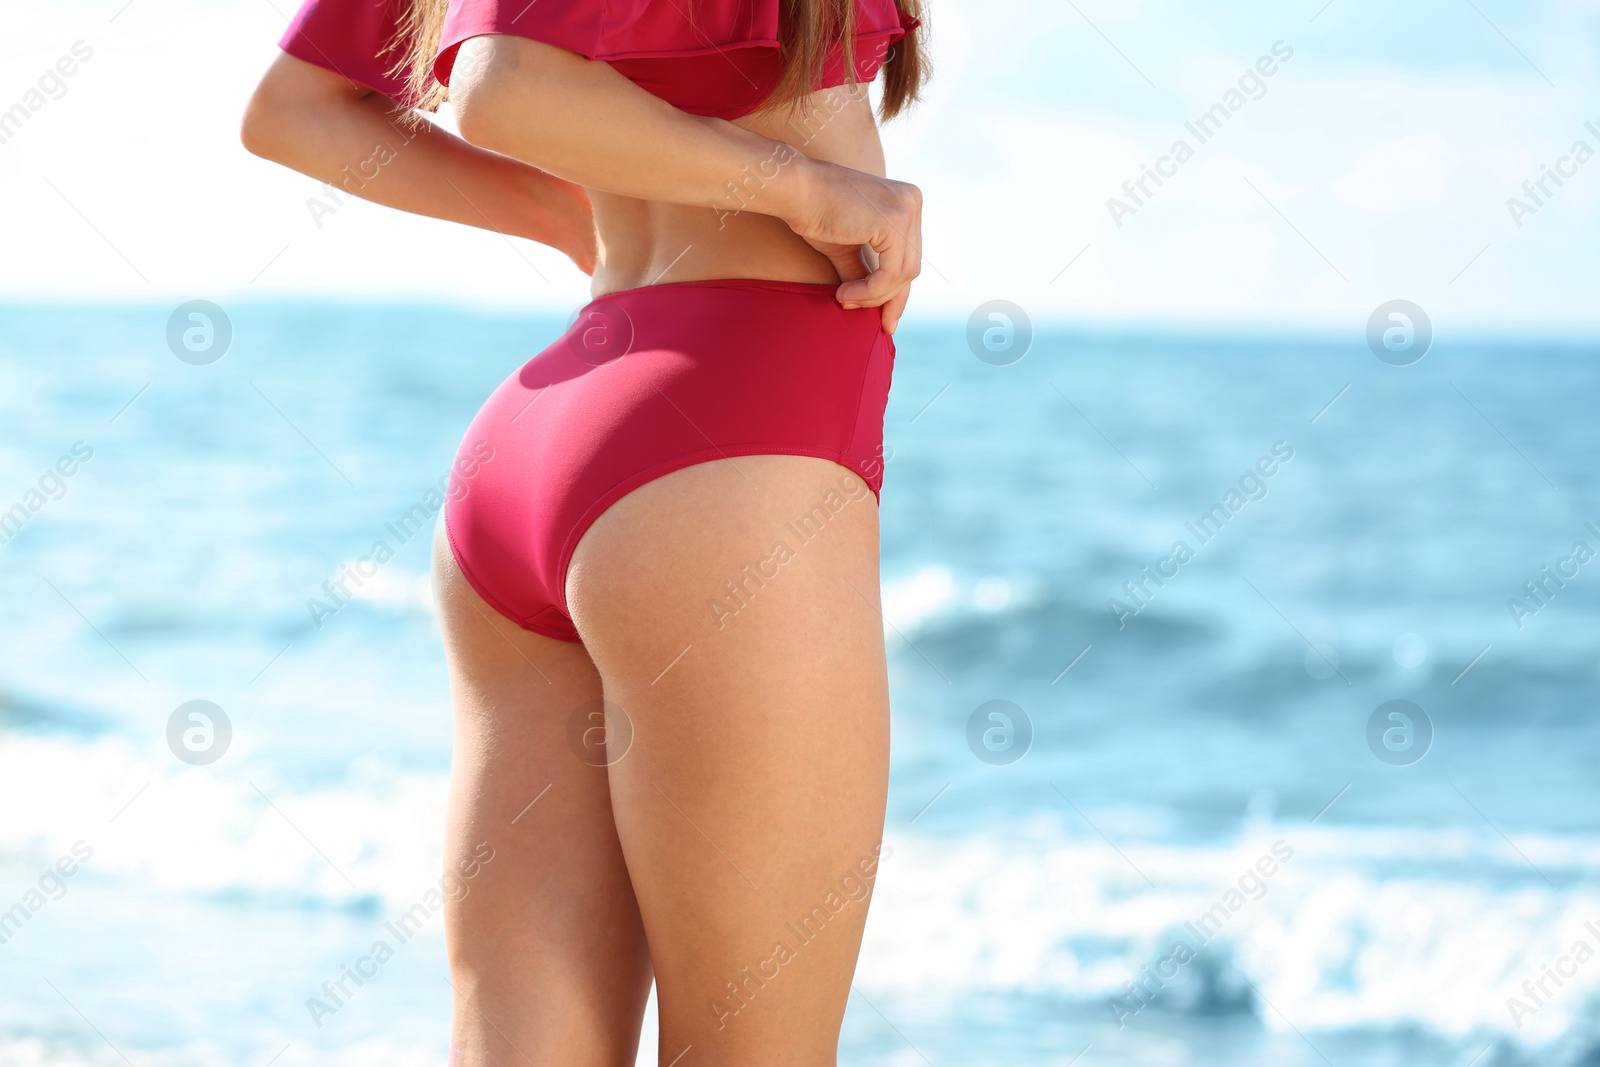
x=723 y=63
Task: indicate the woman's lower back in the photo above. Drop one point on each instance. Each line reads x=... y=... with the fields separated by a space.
x=644 y=242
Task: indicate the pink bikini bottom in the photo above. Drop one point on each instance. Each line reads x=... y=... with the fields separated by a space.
x=645 y=382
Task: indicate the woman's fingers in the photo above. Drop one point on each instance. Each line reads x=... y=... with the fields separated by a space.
x=894 y=273
x=870 y=228
x=894 y=309
x=868 y=292
x=893 y=303
x=847 y=261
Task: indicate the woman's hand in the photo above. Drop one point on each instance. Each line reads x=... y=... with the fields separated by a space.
x=869 y=227
x=580 y=120
x=582 y=245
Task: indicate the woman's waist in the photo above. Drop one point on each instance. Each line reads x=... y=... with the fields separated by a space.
x=644 y=242
x=651 y=243
x=701 y=323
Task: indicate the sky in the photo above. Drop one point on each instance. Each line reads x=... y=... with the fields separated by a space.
x=1375 y=163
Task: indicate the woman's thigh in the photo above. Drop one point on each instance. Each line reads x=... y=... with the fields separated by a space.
x=547 y=952
x=732 y=610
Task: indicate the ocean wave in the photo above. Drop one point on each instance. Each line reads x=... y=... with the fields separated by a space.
x=238 y=834
x=1356 y=929
x=56 y=1051
x=1325 y=928
x=936 y=596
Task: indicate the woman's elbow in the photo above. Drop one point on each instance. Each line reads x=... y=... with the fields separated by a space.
x=260 y=130
x=269 y=116
x=477 y=98
x=289 y=93
x=500 y=96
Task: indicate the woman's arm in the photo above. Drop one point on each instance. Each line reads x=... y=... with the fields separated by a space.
x=317 y=122
x=581 y=120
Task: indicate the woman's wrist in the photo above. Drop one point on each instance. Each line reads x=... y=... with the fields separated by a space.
x=803 y=186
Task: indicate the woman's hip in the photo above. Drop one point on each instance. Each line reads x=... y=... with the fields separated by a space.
x=645 y=382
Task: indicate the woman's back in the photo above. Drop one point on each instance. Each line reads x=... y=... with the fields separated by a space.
x=717 y=59
x=644 y=242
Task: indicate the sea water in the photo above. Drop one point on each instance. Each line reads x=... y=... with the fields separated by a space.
x=1148 y=599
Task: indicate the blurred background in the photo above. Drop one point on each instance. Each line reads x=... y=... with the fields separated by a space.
x=1238 y=547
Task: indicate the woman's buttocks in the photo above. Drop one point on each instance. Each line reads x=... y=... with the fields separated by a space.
x=643 y=383
x=643 y=243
